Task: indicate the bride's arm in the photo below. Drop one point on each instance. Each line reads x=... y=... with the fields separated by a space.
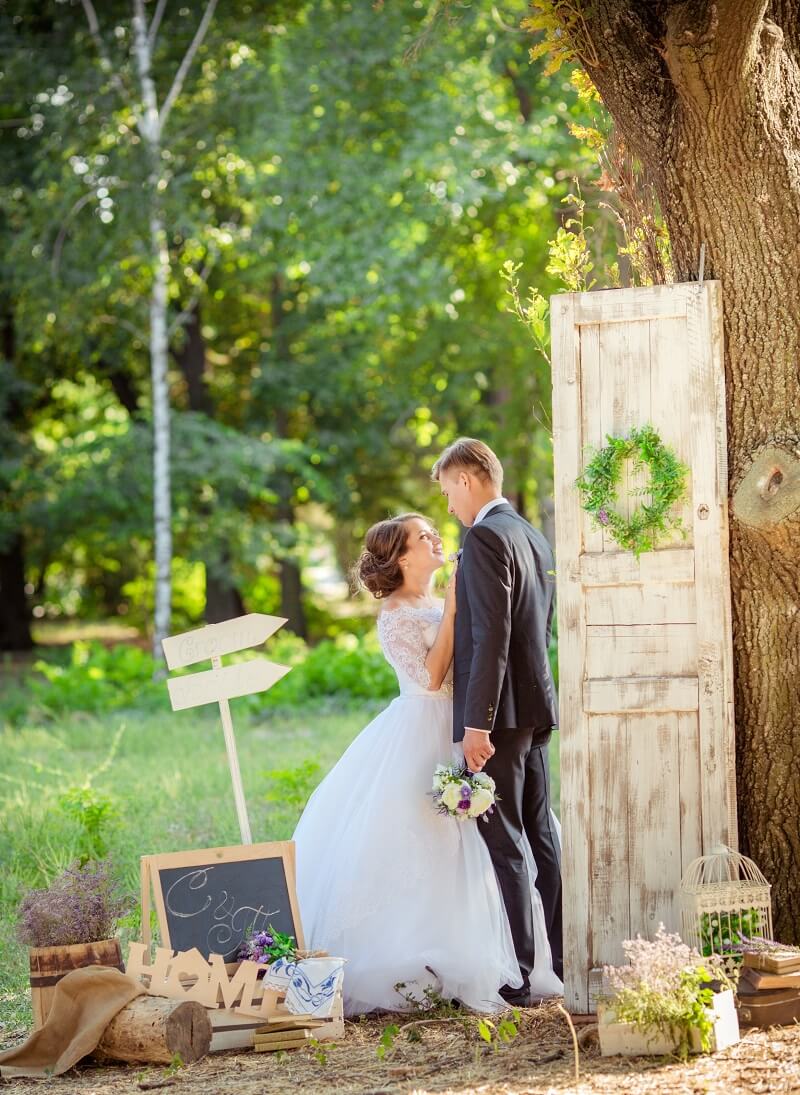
x=440 y=654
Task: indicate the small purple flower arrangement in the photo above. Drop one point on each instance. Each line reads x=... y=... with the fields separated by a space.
x=265 y=946
x=459 y=793
x=82 y=905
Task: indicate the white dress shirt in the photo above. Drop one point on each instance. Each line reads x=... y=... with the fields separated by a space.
x=479 y=516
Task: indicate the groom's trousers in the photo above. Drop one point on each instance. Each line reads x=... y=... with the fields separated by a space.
x=520 y=770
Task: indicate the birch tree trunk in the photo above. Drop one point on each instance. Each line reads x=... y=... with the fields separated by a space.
x=150 y=129
x=708 y=96
x=150 y=122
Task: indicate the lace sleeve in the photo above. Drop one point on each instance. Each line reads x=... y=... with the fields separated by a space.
x=402 y=637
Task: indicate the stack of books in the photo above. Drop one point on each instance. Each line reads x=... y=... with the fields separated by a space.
x=285 y=1032
x=769 y=987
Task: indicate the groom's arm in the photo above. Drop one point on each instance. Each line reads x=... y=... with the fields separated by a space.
x=485 y=566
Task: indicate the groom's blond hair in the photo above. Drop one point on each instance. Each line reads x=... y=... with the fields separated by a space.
x=473 y=456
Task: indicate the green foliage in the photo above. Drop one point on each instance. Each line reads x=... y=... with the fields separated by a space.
x=560 y=23
x=651 y=521
x=726 y=932
x=320 y=1050
x=533 y=311
x=291 y=788
x=345 y=666
x=570 y=258
x=175 y=1065
x=387 y=1041
x=684 y=1008
x=500 y=1033
x=96 y=678
x=93 y=811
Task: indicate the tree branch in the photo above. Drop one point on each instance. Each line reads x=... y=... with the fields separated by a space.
x=105 y=61
x=180 y=75
x=205 y=273
x=155 y=23
x=62 y=232
x=739 y=25
x=150 y=126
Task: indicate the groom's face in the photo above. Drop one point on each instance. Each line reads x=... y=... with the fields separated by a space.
x=455 y=486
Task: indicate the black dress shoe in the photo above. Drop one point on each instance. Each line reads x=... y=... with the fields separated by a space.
x=516 y=998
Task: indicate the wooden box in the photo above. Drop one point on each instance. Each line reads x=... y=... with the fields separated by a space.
x=627 y=1040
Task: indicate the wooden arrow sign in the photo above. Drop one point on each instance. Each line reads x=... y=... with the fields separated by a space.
x=222 y=684
x=218 y=639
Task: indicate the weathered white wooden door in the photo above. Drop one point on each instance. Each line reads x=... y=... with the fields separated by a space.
x=646 y=715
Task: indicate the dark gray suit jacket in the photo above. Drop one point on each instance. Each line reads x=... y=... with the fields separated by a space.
x=504 y=610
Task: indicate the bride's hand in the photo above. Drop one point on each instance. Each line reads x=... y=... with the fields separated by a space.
x=450 y=593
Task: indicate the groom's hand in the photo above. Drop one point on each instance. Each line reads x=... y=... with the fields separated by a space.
x=478 y=748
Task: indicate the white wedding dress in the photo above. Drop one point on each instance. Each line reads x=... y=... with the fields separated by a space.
x=404 y=894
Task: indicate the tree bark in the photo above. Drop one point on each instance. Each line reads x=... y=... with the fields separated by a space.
x=223 y=599
x=709 y=96
x=153 y=1030
x=15 y=623
x=289 y=572
x=291 y=583
x=150 y=128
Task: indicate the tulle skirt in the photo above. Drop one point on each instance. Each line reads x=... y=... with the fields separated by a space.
x=406 y=896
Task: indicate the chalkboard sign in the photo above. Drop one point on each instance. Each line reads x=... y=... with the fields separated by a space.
x=214 y=898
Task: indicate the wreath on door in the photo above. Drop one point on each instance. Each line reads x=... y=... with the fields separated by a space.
x=650 y=522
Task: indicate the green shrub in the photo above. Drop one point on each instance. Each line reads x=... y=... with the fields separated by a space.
x=345 y=666
x=96 y=678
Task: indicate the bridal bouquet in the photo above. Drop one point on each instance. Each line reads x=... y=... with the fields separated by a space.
x=460 y=794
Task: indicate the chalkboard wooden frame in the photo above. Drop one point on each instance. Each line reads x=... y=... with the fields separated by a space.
x=153 y=865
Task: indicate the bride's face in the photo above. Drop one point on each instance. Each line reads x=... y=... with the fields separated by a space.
x=423 y=552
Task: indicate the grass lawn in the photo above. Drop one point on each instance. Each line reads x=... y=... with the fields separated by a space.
x=159 y=781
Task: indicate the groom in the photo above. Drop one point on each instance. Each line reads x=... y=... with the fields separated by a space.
x=504 y=703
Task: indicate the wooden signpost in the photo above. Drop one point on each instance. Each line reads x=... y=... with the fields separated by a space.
x=220 y=684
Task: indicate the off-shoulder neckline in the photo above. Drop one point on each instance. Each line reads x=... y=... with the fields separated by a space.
x=403 y=605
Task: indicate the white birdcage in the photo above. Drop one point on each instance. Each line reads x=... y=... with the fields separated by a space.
x=725 y=903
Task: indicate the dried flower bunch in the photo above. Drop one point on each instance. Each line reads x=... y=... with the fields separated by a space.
x=666 y=984
x=82 y=905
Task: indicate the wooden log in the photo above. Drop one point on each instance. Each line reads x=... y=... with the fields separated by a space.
x=153 y=1029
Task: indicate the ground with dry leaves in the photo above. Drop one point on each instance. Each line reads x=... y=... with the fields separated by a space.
x=450 y=1058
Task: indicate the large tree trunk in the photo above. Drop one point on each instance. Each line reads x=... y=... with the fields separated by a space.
x=15 y=629
x=708 y=95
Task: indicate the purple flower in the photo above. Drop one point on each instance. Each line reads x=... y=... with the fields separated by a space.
x=463 y=805
x=263 y=959
x=466 y=792
x=602 y=515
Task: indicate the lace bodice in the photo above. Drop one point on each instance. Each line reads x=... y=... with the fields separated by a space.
x=406 y=634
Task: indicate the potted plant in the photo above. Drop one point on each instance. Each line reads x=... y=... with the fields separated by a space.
x=70 y=924
x=667 y=1000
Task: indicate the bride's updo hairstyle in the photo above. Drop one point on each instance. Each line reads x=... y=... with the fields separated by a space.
x=378 y=567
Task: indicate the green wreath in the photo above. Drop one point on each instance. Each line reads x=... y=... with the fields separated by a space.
x=651 y=522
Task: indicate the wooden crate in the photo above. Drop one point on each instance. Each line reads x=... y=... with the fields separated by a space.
x=627 y=1040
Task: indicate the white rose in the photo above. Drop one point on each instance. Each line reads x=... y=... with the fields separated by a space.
x=451 y=796
x=484 y=781
x=482 y=799
x=439 y=777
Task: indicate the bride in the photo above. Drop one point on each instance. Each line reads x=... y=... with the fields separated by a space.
x=407 y=896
